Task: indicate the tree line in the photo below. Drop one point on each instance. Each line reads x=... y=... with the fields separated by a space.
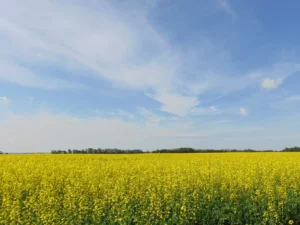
x=176 y=150
x=293 y=149
x=97 y=151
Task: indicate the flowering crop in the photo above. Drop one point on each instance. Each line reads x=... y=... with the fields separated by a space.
x=221 y=188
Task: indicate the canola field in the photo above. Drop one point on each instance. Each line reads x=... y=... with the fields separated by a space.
x=214 y=188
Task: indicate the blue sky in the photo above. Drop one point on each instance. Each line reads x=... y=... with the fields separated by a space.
x=149 y=74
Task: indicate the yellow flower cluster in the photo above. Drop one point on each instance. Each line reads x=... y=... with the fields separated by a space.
x=221 y=188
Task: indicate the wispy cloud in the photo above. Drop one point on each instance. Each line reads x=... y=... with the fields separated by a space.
x=118 y=114
x=181 y=135
x=150 y=116
x=119 y=45
x=212 y=110
x=272 y=77
x=189 y=87
x=224 y=4
x=176 y=104
x=112 y=43
x=48 y=131
x=14 y=73
x=243 y=112
x=121 y=114
x=4 y=100
x=292 y=98
x=140 y=114
x=221 y=121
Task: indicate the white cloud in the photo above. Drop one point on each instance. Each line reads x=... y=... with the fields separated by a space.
x=118 y=114
x=141 y=115
x=114 y=43
x=99 y=39
x=122 y=46
x=145 y=112
x=122 y=113
x=292 y=98
x=14 y=73
x=213 y=108
x=270 y=83
x=243 y=112
x=278 y=72
x=46 y=131
x=181 y=135
x=176 y=104
x=150 y=116
x=224 y=4
x=118 y=44
x=205 y=111
x=274 y=76
x=221 y=121
x=4 y=100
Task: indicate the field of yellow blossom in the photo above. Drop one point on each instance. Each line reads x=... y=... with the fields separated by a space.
x=214 y=188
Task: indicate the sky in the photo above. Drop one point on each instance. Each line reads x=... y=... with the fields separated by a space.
x=149 y=74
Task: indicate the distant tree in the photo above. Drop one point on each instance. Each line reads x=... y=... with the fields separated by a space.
x=248 y=150
x=175 y=150
x=293 y=149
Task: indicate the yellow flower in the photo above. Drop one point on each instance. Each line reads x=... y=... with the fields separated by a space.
x=73 y=189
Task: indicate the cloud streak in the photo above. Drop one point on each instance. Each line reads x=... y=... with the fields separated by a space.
x=109 y=42
x=122 y=46
x=4 y=100
x=224 y=4
x=294 y=98
x=14 y=73
x=123 y=49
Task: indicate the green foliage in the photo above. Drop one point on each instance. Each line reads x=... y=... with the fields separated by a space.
x=175 y=150
x=97 y=151
x=294 y=149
